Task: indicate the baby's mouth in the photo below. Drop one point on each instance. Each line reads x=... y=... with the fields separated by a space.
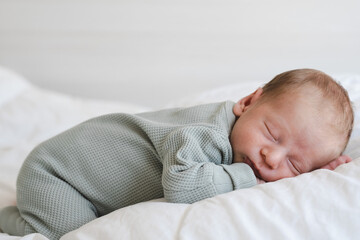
x=252 y=165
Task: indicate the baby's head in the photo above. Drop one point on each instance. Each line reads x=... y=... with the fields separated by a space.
x=298 y=122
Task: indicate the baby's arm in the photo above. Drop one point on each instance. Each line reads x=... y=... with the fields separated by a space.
x=193 y=165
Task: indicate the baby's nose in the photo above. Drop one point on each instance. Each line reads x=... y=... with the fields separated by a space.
x=273 y=157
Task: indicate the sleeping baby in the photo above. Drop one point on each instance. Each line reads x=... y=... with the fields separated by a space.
x=298 y=122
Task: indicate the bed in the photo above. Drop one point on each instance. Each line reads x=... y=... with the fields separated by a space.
x=319 y=205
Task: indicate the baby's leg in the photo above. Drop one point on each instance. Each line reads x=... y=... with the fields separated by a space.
x=48 y=204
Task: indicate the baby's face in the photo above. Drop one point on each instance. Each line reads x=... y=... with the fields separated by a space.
x=282 y=138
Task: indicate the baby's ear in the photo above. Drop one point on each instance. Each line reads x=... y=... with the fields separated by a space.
x=243 y=104
x=337 y=162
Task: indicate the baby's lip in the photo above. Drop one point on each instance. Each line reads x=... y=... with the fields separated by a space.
x=248 y=161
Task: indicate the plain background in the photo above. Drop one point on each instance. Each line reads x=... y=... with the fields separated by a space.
x=152 y=52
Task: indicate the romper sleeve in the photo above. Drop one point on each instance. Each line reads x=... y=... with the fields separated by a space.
x=197 y=165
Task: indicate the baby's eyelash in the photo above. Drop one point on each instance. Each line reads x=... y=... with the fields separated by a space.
x=296 y=169
x=268 y=129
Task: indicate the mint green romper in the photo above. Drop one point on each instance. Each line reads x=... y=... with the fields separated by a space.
x=117 y=160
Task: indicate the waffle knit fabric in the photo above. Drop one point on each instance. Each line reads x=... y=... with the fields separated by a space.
x=117 y=160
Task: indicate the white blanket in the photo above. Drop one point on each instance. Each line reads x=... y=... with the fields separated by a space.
x=319 y=205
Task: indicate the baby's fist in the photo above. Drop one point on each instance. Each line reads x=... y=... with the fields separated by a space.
x=260 y=181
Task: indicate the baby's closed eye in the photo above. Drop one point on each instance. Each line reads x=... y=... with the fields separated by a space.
x=270 y=133
x=293 y=167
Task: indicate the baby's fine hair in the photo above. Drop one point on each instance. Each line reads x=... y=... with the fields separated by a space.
x=330 y=90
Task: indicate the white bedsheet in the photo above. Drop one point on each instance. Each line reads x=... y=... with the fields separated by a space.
x=319 y=205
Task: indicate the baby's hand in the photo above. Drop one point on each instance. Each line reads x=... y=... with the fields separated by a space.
x=260 y=181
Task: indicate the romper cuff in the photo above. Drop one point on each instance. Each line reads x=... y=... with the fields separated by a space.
x=241 y=174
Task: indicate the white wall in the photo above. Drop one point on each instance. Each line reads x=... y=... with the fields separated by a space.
x=153 y=51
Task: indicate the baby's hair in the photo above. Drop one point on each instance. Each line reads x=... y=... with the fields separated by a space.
x=330 y=90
